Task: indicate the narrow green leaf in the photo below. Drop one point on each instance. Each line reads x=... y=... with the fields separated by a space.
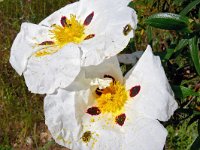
x=189 y=7
x=182 y=43
x=185 y=111
x=168 y=21
x=183 y=92
x=170 y=51
x=196 y=144
x=194 y=52
x=194 y=119
x=149 y=35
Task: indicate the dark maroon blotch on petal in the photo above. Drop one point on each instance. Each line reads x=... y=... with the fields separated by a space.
x=63 y=21
x=120 y=119
x=47 y=43
x=89 y=36
x=98 y=91
x=93 y=111
x=134 y=90
x=88 y=19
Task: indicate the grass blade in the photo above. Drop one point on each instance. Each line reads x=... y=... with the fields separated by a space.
x=193 y=44
x=189 y=7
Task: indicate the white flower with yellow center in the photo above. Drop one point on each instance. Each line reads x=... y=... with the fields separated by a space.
x=102 y=110
x=84 y=33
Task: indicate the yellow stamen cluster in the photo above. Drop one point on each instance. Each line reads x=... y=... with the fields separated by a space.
x=113 y=98
x=72 y=32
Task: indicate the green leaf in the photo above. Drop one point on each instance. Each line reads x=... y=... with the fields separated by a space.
x=196 y=144
x=194 y=52
x=183 y=92
x=182 y=43
x=189 y=7
x=194 y=119
x=168 y=21
x=131 y=5
x=149 y=35
x=198 y=127
x=170 y=51
x=168 y=54
x=178 y=2
x=185 y=111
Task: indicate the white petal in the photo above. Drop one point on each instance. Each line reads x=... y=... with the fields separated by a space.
x=47 y=73
x=130 y=58
x=108 y=140
x=64 y=113
x=144 y=134
x=24 y=43
x=107 y=67
x=57 y=15
x=155 y=99
x=100 y=6
x=110 y=19
x=60 y=117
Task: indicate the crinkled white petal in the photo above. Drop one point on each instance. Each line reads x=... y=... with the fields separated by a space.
x=100 y=6
x=155 y=99
x=107 y=140
x=107 y=67
x=47 y=73
x=55 y=17
x=144 y=134
x=67 y=120
x=60 y=117
x=108 y=27
x=24 y=45
x=130 y=58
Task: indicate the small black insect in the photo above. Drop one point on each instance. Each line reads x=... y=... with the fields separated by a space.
x=127 y=29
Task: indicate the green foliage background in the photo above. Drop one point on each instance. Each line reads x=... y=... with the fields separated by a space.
x=21 y=113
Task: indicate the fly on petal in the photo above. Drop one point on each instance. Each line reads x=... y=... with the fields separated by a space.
x=88 y=19
x=86 y=136
x=127 y=29
x=93 y=111
x=120 y=119
x=134 y=90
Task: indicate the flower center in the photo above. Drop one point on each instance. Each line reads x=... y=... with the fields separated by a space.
x=112 y=98
x=71 y=31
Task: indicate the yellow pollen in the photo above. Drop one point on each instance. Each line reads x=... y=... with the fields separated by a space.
x=113 y=98
x=72 y=32
x=46 y=51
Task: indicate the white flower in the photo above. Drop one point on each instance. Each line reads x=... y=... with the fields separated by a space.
x=84 y=33
x=122 y=116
